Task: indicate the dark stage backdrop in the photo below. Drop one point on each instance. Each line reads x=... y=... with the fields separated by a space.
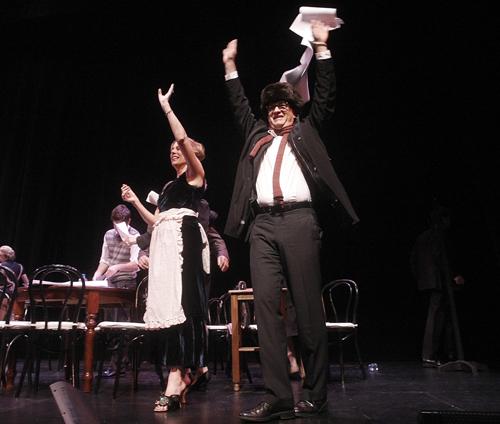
x=80 y=116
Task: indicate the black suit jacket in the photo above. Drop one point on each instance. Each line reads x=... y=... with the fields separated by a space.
x=305 y=142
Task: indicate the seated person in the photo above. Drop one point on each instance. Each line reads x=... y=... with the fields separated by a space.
x=13 y=272
x=8 y=259
x=118 y=265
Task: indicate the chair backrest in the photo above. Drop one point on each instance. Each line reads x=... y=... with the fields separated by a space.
x=219 y=310
x=56 y=285
x=340 y=300
x=141 y=294
x=8 y=291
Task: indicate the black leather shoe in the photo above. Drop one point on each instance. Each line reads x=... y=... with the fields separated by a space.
x=265 y=411
x=308 y=408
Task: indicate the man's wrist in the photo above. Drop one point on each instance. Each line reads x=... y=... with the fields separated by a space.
x=325 y=54
x=231 y=75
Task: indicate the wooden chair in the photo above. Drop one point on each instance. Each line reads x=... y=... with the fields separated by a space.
x=340 y=301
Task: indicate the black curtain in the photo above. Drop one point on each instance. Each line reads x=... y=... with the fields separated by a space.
x=80 y=116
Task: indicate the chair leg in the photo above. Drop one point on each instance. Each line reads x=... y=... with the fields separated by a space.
x=341 y=361
x=3 y=355
x=135 y=347
x=38 y=361
x=119 y=361
x=97 y=382
x=28 y=361
x=358 y=352
x=213 y=343
x=100 y=364
x=75 y=368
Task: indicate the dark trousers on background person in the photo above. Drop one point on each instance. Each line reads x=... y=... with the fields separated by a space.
x=286 y=247
x=438 y=337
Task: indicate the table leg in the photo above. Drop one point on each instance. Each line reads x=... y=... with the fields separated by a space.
x=18 y=310
x=91 y=321
x=235 y=343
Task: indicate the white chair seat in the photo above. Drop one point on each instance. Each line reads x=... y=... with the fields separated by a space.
x=117 y=325
x=15 y=325
x=340 y=325
x=217 y=327
x=54 y=325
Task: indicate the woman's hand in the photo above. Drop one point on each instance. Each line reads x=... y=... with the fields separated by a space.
x=128 y=195
x=164 y=99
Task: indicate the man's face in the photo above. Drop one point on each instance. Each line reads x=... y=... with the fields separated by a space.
x=279 y=115
x=3 y=257
x=176 y=156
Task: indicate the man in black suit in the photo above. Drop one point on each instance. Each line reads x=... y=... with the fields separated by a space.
x=284 y=176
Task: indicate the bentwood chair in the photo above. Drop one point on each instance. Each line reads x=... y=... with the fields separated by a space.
x=119 y=337
x=219 y=346
x=56 y=294
x=10 y=330
x=340 y=301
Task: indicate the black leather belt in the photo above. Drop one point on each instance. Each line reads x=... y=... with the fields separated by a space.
x=280 y=208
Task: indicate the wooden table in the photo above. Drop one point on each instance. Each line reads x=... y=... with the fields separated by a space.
x=94 y=298
x=238 y=296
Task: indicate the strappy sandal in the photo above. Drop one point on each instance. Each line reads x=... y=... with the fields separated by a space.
x=167 y=403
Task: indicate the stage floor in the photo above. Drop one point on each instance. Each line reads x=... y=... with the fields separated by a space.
x=395 y=394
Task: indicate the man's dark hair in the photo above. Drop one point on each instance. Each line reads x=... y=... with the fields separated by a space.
x=120 y=214
x=280 y=91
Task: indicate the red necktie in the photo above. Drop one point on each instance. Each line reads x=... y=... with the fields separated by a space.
x=277 y=193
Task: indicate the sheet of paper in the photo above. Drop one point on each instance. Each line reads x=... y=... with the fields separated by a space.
x=153 y=197
x=298 y=75
x=302 y=23
x=302 y=26
x=98 y=283
x=122 y=229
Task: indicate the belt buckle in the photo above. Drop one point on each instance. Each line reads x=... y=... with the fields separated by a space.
x=279 y=207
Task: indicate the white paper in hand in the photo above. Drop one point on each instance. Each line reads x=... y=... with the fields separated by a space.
x=302 y=23
x=302 y=26
x=153 y=198
x=122 y=229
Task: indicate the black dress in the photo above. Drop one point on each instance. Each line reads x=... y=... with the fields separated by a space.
x=186 y=344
